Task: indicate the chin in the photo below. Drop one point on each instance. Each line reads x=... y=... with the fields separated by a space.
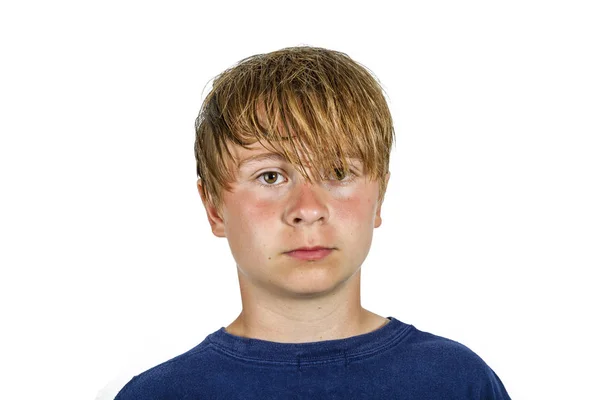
x=315 y=283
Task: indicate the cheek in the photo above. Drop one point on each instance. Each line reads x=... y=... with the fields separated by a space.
x=248 y=220
x=356 y=210
x=355 y=221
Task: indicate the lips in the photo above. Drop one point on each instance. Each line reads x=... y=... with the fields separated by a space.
x=310 y=253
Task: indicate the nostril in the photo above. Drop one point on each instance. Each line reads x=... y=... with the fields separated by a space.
x=297 y=220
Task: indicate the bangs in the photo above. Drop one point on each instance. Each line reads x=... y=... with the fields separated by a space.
x=308 y=105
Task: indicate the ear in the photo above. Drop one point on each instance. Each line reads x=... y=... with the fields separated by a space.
x=378 y=211
x=214 y=218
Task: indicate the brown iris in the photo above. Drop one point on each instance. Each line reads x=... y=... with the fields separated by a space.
x=340 y=173
x=270 y=177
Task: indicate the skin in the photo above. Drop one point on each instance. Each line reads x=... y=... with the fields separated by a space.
x=272 y=209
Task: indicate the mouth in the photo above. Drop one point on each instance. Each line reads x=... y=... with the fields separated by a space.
x=310 y=253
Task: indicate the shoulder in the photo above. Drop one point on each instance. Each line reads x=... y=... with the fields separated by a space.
x=440 y=351
x=450 y=364
x=165 y=379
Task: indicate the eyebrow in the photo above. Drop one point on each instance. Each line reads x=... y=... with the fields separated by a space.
x=276 y=157
x=261 y=157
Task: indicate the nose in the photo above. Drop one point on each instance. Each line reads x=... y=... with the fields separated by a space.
x=307 y=205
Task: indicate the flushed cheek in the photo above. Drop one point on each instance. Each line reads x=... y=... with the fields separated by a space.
x=249 y=208
x=249 y=224
x=357 y=215
x=355 y=209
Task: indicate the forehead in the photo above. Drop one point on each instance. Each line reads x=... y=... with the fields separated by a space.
x=240 y=152
x=257 y=152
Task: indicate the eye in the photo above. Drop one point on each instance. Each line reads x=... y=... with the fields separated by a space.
x=270 y=178
x=339 y=173
x=341 y=176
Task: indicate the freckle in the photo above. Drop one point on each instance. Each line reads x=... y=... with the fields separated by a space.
x=269 y=258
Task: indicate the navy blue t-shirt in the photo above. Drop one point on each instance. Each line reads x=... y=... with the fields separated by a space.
x=396 y=361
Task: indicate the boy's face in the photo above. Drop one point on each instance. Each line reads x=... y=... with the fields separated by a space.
x=272 y=210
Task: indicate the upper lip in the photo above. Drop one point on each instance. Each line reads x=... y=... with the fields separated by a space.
x=311 y=248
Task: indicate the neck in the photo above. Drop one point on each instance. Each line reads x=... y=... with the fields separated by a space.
x=300 y=319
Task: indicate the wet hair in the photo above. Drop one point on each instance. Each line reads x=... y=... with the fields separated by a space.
x=306 y=104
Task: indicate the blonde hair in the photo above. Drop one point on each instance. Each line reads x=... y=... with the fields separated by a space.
x=315 y=104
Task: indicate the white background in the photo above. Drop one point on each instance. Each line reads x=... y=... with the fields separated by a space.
x=490 y=229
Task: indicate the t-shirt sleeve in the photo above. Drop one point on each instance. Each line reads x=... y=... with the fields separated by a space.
x=493 y=388
x=149 y=385
x=128 y=391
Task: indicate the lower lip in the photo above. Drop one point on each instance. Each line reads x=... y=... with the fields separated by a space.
x=311 y=255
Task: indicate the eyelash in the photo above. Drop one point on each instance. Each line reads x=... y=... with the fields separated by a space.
x=349 y=177
x=269 y=185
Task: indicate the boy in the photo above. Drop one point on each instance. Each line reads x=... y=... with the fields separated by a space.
x=292 y=152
